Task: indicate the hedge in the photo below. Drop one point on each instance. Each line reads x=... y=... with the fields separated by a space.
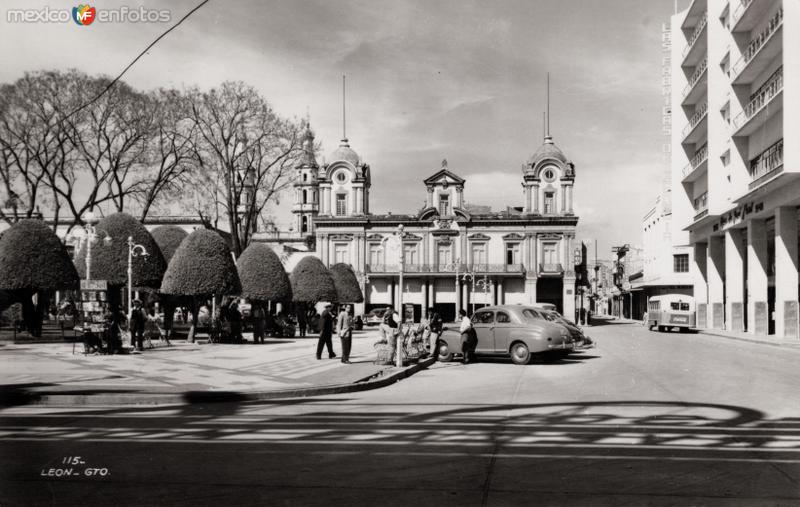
x=202 y=265
x=110 y=260
x=32 y=257
x=347 y=288
x=262 y=274
x=312 y=282
x=168 y=238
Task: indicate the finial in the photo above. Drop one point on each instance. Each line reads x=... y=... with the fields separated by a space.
x=344 y=111
x=444 y=163
x=547 y=125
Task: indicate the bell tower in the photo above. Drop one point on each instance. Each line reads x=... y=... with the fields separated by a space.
x=306 y=186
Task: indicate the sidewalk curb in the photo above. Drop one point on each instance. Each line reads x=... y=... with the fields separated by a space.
x=782 y=344
x=20 y=397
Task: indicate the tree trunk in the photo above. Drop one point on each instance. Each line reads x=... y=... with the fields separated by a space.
x=193 y=327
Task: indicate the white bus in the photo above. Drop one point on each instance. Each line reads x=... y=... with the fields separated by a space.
x=670 y=310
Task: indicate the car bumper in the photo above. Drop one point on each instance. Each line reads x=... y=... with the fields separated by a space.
x=561 y=346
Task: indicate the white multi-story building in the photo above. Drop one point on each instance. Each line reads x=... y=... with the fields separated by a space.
x=735 y=99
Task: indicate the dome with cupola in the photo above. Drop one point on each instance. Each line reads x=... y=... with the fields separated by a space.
x=547 y=151
x=345 y=153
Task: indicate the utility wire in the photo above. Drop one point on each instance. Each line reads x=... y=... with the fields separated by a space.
x=114 y=81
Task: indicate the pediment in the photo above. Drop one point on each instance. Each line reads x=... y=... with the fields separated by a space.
x=478 y=237
x=514 y=236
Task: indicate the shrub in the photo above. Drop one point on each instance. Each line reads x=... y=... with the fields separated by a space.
x=202 y=265
x=347 y=288
x=110 y=260
x=262 y=274
x=168 y=238
x=312 y=282
x=32 y=257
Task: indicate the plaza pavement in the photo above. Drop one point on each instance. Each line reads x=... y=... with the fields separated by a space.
x=60 y=374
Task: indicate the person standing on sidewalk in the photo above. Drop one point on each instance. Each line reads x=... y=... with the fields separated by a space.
x=344 y=328
x=467 y=341
x=325 y=332
x=136 y=325
x=434 y=329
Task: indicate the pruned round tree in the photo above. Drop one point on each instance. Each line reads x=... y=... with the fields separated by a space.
x=34 y=261
x=312 y=282
x=201 y=267
x=110 y=257
x=168 y=238
x=263 y=275
x=347 y=288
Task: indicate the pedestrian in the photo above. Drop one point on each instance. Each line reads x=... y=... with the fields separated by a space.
x=435 y=326
x=344 y=328
x=302 y=321
x=258 y=323
x=151 y=327
x=325 y=332
x=468 y=338
x=235 y=319
x=136 y=326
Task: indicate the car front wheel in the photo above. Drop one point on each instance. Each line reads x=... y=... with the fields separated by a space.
x=444 y=353
x=520 y=354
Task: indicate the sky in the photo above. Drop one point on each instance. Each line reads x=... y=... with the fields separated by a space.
x=461 y=80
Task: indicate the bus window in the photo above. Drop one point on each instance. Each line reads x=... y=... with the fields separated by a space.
x=674 y=306
x=685 y=307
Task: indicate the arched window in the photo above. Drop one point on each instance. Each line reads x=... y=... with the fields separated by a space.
x=305 y=196
x=304 y=225
x=305 y=177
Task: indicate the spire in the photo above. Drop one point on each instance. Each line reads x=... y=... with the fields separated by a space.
x=547 y=137
x=308 y=158
x=344 y=113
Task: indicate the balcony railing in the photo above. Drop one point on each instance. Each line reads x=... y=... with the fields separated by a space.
x=696 y=118
x=766 y=164
x=699 y=157
x=757 y=43
x=761 y=98
x=698 y=30
x=740 y=10
x=701 y=202
x=446 y=268
x=696 y=75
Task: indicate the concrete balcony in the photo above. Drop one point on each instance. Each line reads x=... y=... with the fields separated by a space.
x=696 y=166
x=701 y=206
x=760 y=51
x=767 y=102
x=747 y=13
x=696 y=129
x=446 y=269
x=697 y=44
x=698 y=82
x=766 y=165
x=551 y=269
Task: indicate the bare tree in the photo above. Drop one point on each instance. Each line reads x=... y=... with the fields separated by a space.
x=244 y=151
x=170 y=153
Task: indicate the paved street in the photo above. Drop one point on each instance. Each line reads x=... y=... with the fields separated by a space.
x=645 y=418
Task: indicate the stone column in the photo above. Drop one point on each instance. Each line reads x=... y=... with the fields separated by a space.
x=734 y=280
x=757 y=314
x=493 y=293
x=430 y=197
x=457 y=289
x=500 y=294
x=536 y=199
x=563 y=198
x=700 y=282
x=716 y=281
x=465 y=296
x=431 y=292
x=786 y=278
x=528 y=198
x=569 y=199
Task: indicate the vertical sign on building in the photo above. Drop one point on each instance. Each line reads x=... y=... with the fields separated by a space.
x=666 y=91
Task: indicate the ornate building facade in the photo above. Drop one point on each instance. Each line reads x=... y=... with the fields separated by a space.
x=453 y=255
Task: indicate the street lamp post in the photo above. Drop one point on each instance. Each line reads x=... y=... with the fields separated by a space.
x=134 y=250
x=469 y=278
x=89 y=233
x=484 y=282
x=400 y=233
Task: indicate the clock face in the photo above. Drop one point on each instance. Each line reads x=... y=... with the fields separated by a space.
x=549 y=174
x=341 y=177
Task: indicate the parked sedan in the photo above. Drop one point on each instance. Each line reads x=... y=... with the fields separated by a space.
x=508 y=331
x=578 y=337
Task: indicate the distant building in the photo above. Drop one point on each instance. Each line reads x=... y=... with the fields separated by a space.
x=454 y=255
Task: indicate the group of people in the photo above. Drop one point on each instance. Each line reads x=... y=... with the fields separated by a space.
x=344 y=328
x=143 y=326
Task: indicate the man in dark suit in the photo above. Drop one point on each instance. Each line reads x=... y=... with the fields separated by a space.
x=325 y=332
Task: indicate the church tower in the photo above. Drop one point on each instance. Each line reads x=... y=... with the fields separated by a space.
x=306 y=186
